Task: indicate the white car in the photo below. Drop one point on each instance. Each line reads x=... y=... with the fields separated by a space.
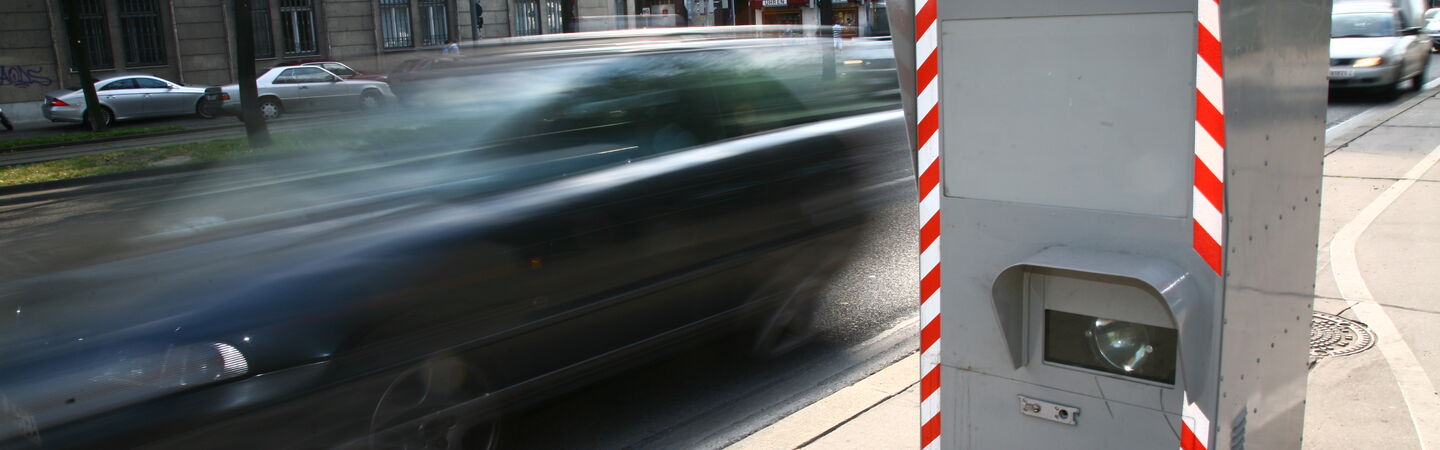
x=1373 y=46
x=283 y=89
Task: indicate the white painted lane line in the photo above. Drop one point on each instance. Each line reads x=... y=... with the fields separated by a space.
x=1415 y=385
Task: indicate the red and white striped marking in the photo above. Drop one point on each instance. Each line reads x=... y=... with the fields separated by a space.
x=927 y=106
x=1189 y=439
x=1208 y=205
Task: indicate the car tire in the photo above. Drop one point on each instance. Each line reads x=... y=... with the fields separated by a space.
x=202 y=111
x=371 y=100
x=271 y=108
x=415 y=393
x=1418 y=82
x=107 y=117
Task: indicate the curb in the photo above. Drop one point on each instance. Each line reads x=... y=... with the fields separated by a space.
x=1334 y=144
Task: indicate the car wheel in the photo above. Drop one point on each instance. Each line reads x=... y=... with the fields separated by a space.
x=270 y=108
x=1418 y=82
x=107 y=117
x=371 y=101
x=404 y=411
x=202 y=111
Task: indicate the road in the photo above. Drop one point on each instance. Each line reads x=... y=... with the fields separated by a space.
x=710 y=395
x=1347 y=105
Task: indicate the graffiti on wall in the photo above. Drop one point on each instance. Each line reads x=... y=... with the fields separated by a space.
x=24 y=76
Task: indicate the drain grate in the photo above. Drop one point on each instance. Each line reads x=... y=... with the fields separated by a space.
x=1332 y=335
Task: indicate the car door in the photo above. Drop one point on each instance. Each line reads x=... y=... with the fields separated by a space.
x=162 y=99
x=123 y=97
x=294 y=86
x=315 y=86
x=1416 y=49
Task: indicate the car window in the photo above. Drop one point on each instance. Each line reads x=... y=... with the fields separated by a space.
x=311 y=75
x=1362 y=25
x=128 y=83
x=151 y=83
x=286 y=77
x=338 y=69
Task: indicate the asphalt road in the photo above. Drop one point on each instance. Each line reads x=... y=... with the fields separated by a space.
x=1345 y=104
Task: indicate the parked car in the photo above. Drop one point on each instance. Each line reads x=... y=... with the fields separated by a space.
x=402 y=286
x=336 y=68
x=128 y=96
x=1375 y=45
x=281 y=89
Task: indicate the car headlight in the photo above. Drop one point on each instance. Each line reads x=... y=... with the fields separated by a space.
x=50 y=399
x=1368 y=62
x=1123 y=348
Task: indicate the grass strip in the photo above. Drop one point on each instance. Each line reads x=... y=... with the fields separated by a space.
x=195 y=152
x=124 y=161
x=72 y=137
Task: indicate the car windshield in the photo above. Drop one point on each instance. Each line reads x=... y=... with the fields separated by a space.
x=1362 y=25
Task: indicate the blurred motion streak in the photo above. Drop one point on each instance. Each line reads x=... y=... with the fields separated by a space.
x=538 y=216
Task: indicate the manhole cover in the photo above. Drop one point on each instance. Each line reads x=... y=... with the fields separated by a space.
x=1332 y=335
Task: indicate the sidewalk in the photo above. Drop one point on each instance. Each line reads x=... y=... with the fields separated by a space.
x=1379 y=224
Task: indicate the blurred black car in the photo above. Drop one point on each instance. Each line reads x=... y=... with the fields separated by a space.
x=551 y=221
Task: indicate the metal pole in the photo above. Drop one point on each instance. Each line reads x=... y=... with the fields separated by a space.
x=255 y=128
x=81 y=55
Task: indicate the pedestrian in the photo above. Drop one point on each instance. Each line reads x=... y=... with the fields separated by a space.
x=450 y=48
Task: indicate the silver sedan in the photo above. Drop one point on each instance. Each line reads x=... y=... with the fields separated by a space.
x=292 y=87
x=128 y=96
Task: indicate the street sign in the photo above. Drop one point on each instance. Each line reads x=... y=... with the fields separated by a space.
x=1123 y=219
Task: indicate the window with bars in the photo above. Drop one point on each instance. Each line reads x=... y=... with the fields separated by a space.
x=434 y=22
x=297 y=22
x=95 y=31
x=554 y=17
x=141 y=32
x=263 y=34
x=527 y=17
x=395 y=23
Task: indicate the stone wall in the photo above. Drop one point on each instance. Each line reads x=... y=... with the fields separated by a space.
x=350 y=34
x=27 y=52
x=204 y=52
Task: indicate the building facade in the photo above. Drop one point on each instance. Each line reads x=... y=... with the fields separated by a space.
x=193 y=41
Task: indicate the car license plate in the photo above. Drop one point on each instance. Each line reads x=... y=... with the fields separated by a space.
x=1340 y=74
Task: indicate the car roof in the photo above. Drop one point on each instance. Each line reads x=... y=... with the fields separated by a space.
x=124 y=75
x=303 y=62
x=272 y=69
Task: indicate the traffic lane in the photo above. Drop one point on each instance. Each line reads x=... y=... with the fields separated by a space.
x=712 y=395
x=1348 y=103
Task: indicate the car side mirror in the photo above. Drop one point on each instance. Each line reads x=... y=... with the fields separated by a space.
x=1412 y=31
